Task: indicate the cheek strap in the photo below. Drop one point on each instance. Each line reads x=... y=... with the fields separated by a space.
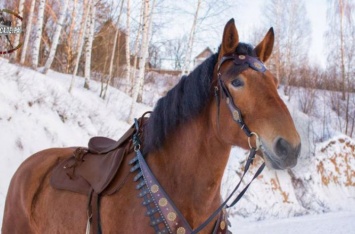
x=235 y=111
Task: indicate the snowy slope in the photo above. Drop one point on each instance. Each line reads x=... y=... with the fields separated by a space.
x=37 y=112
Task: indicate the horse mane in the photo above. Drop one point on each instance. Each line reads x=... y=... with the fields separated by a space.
x=184 y=101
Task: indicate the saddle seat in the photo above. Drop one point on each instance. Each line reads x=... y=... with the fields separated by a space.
x=101 y=168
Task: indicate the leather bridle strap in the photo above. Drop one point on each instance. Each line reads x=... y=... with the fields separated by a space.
x=235 y=201
x=236 y=113
x=255 y=64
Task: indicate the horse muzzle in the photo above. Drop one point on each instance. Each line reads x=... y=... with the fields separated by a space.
x=282 y=154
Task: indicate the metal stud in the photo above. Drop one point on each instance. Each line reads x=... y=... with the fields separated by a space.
x=258 y=65
x=222 y=225
x=241 y=56
x=181 y=230
x=171 y=216
x=163 y=202
x=236 y=115
x=154 y=188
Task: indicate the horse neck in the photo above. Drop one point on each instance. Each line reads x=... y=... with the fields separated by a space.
x=190 y=167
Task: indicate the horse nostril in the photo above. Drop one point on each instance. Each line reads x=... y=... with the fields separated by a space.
x=282 y=148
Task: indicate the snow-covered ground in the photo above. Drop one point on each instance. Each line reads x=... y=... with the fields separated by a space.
x=330 y=223
x=317 y=196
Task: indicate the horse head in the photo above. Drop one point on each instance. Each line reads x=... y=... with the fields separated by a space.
x=247 y=98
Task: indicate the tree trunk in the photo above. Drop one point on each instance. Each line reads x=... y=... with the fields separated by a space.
x=81 y=43
x=28 y=32
x=343 y=79
x=133 y=76
x=145 y=51
x=186 y=68
x=128 y=51
x=56 y=36
x=38 y=34
x=89 y=41
x=69 y=42
x=18 y=24
x=143 y=56
x=113 y=52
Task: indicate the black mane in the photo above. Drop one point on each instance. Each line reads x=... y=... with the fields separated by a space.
x=184 y=101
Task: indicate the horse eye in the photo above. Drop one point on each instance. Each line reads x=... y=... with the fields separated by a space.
x=237 y=83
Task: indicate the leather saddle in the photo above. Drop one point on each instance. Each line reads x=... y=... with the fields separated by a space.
x=101 y=168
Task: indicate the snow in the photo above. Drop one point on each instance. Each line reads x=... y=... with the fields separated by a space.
x=317 y=196
x=331 y=223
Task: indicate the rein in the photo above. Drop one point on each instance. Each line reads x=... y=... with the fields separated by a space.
x=153 y=193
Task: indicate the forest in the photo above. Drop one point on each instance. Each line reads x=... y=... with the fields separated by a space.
x=119 y=42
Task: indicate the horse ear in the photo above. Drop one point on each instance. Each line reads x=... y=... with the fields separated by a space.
x=230 y=39
x=264 y=49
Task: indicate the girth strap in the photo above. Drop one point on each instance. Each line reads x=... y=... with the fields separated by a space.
x=93 y=212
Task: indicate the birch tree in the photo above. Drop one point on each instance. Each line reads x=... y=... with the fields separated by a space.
x=18 y=24
x=38 y=34
x=110 y=73
x=144 y=51
x=88 y=42
x=69 y=40
x=292 y=36
x=56 y=36
x=28 y=32
x=81 y=42
x=143 y=56
x=135 y=51
x=128 y=51
x=340 y=49
x=186 y=67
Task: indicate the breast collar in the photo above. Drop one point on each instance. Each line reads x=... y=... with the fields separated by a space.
x=164 y=215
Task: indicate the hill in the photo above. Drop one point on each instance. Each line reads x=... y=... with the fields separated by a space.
x=37 y=112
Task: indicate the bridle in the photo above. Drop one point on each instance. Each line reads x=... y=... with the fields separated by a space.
x=150 y=189
x=245 y=61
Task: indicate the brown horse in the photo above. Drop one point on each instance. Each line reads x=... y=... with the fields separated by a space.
x=187 y=142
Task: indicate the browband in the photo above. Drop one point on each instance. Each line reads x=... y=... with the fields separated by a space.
x=251 y=61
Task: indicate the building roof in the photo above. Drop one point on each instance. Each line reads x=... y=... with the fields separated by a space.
x=205 y=53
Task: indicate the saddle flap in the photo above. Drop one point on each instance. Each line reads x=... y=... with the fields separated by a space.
x=93 y=171
x=61 y=179
x=99 y=167
x=100 y=170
